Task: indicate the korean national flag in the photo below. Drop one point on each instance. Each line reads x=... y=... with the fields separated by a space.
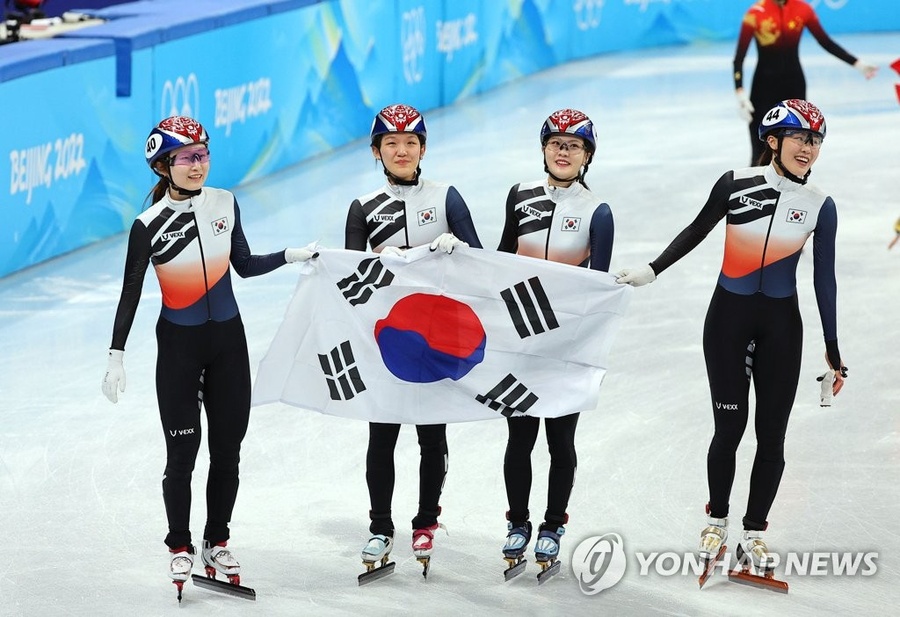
x=430 y=337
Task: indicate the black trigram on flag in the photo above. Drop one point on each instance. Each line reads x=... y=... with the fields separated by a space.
x=529 y=308
x=509 y=396
x=341 y=373
x=369 y=276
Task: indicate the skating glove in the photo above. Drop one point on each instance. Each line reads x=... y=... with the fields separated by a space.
x=825 y=394
x=745 y=107
x=299 y=255
x=446 y=242
x=392 y=250
x=868 y=70
x=114 y=379
x=636 y=277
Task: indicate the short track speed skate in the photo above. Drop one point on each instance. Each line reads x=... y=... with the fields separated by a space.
x=180 y=566
x=752 y=554
x=712 y=546
x=376 y=559
x=218 y=560
x=517 y=540
x=423 y=545
x=546 y=552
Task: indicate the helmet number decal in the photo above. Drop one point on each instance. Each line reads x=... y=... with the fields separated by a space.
x=774 y=115
x=153 y=144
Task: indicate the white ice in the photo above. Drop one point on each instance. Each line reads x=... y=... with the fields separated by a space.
x=80 y=498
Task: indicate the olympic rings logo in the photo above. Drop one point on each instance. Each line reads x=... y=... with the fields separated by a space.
x=181 y=98
x=412 y=42
x=587 y=13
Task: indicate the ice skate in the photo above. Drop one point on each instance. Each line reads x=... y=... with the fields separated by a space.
x=423 y=544
x=514 y=550
x=712 y=545
x=180 y=566
x=546 y=551
x=217 y=559
x=375 y=556
x=753 y=554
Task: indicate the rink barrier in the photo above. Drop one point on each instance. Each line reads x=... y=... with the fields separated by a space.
x=276 y=82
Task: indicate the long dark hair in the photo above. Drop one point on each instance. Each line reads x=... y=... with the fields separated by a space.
x=766 y=157
x=159 y=189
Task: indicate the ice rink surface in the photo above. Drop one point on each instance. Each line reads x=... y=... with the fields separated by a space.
x=80 y=498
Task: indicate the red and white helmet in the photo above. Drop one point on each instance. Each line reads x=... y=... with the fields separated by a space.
x=399 y=118
x=570 y=122
x=171 y=134
x=793 y=114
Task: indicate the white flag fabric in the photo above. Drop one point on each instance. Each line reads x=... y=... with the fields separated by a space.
x=430 y=337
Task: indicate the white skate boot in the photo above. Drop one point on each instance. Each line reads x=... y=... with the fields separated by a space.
x=219 y=559
x=712 y=545
x=375 y=556
x=712 y=538
x=180 y=565
x=377 y=549
x=752 y=546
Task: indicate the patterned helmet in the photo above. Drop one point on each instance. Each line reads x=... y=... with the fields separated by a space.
x=570 y=122
x=171 y=134
x=399 y=119
x=792 y=114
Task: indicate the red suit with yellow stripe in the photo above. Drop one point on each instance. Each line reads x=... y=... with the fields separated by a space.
x=778 y=75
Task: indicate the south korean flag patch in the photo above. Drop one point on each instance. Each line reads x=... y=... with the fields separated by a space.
x=427 y=216
x=220 y=226
x=796 y=216
x=570 y=223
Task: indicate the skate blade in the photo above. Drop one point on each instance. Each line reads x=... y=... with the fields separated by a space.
x=710 y=565
x=516 y=567
x=755 y=580
x=231 y=589
x=426 y=564
x=548 y=571
x=370 y=576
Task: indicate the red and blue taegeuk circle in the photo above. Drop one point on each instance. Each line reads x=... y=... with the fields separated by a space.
x=426 y=338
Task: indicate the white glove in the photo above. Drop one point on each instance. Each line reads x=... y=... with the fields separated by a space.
x=446 y=242
x=392 y=250
x=636 y=277
x=114 y=379
x=825 y=394
x=868 y=70
x=745 y=107
x=306 y=253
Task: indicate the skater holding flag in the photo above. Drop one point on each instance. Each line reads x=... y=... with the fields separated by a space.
x=559 y=219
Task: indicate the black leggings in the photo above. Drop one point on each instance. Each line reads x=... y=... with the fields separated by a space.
x=774 y=328
x=523 y=433
x=380 y=474
x=208 y=365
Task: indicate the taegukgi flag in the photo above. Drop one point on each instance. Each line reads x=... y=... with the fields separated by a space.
x=430 y=337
